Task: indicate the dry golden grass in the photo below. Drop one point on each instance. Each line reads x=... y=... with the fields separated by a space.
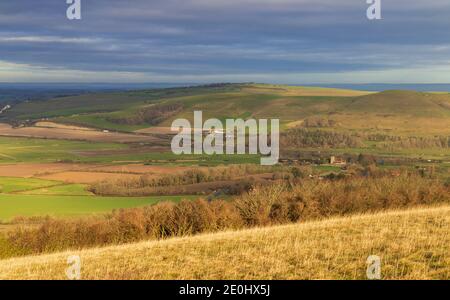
x=393 y=124
x=412 y=244
x=47 y=124
x=285 y=90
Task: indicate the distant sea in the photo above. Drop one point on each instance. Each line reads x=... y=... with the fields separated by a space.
x=378 y=87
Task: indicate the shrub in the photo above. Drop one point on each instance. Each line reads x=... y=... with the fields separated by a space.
x=301 y=137
x=265 y=205
x=146 y=184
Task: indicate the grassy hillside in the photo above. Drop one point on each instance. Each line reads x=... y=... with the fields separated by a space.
x=96 y=109
x=101 y=102
x=403 y=102
x=397 y=112
x=390 y=112
x=400 y=112
x=412 y=244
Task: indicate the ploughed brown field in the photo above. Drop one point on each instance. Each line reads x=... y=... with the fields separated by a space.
x=139 y=169
x=27 y=170
x=82 y=173
x=47 y=124
x=76 y=134
x=86 y=177
x=156 y=130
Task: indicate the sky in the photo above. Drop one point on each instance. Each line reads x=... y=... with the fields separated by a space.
x=205 y=41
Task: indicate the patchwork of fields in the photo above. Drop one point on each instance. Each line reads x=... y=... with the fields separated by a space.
x=46 y=165
x=91 y=155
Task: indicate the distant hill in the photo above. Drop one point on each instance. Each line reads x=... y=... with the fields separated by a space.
x=14 y=95
x=400 y=112
x=337 y=248
x=405 y=103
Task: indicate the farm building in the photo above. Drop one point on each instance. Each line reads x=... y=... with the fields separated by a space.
x=335 y=160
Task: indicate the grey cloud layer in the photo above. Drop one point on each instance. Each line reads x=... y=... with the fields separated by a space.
x=188 y=38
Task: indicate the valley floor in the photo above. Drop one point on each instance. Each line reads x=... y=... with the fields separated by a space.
x=412 y=244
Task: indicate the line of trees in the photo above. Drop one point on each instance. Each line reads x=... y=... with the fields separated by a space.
x=316 y=138
x=302 y=137
x=146 y=184
x=389 y=141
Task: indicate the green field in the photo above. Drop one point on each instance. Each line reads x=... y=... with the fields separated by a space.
x=12 y=184
x=13 y=150
x=36 y=197
x=60 y=189
x=42 y=205
x=17 y=150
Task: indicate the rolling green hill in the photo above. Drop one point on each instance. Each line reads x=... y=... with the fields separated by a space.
x=403 y=103
x=102 y=102
x=399 y=112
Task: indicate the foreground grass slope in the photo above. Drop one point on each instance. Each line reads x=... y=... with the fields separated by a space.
x=412 y=244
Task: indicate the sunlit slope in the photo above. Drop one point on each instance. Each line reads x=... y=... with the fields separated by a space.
x=396 y=112
x=412 y=244
x=391 y=112
x=404 y=102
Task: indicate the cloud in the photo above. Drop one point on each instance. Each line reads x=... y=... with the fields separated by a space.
x=47 y=39
x=218 y=40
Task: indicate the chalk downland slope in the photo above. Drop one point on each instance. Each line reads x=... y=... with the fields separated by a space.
x=393 y=112
x=412 y=244
x=403 y=102
x=396 y=112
